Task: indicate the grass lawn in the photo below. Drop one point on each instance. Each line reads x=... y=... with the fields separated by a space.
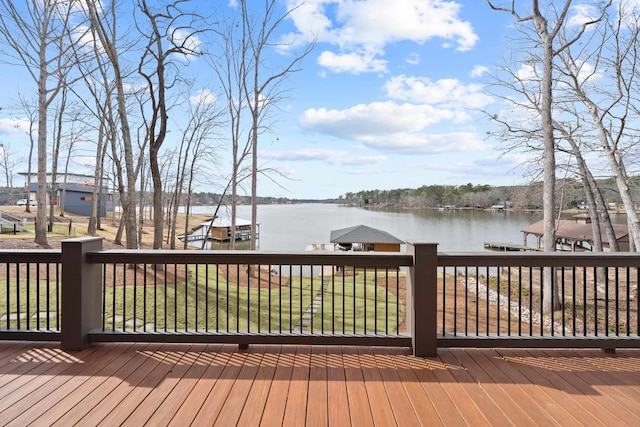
x=39 y=309
x=206 y=301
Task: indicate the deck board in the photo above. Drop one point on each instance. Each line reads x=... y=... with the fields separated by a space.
x=237 y=397
x=279 y=392
x=381 y=411
x=295 y=411
x=539 y=391
x=317 y=414
x=359 y=403
x=73 y=409
x=257 y=399
x=156 y=384
x=217 y=397
x=176 y=398
x=49 y=395
x=338 y=404
x=501 y=394
x=200 y=393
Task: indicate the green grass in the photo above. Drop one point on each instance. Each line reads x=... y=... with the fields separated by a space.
x=28 y=299
x=213 y=304
x=206 y=301
x=352 y=304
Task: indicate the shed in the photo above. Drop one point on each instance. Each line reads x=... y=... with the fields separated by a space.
x=577 y=234
x=364 y=238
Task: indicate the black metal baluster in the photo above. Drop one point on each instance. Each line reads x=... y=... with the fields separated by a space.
x=135 y=295
x=104 y=297
x=573 y=308
x=595 y=300
x=37 y=297
x=498 y=301
x=8 y=279
x=466 y=300
x=455 y=301
x=508 y=301
x=364 y=293
x=144 y=298
x=444 y=300
x=28 y=293
x=520 y=301
x=531 y=300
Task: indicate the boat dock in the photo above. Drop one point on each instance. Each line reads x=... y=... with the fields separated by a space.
x=508 y=247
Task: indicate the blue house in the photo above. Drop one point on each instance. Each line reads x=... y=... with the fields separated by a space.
x=75 y=191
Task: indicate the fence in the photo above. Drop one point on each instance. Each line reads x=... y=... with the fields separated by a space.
x=421 y=298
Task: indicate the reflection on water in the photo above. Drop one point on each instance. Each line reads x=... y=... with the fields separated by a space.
x=294 y=227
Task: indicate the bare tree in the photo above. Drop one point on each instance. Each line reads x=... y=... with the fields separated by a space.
x=31 y=112
x=596 y=205
x=37 y=37
x=546 y=24
x=204 y=118
x=602 y=76
x=251 y=87
x=104 y=26
x=166 y=37
x=7 y=167
x=57 y=131
x=230 y=65
x=262 y=88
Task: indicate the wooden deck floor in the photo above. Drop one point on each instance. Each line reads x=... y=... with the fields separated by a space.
x=142 y=384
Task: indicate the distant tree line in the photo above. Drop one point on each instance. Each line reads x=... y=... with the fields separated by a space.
x=569 y=194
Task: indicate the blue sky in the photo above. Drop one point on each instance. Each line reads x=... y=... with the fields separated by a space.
x=389 y=98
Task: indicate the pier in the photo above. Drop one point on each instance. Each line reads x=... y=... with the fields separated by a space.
x=508 y=247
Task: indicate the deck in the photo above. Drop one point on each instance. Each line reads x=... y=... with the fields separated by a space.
x=163 y=384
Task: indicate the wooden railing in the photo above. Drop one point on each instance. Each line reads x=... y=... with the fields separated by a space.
x=421 y=299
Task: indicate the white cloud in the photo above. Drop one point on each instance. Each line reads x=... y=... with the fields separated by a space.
x=528 y=73
x=336 y=157
x=351 y=63
x=481 y=168
x=303 y=155
x=83 y=37
x=582 y=13
x=406 y=143
x=14 y=127
x=422 y=116
x=479 y=71
x=381 y=118
x=203 y=97
x=413 y=59
x=369 y=25
x=445 y=92
x=187 y=41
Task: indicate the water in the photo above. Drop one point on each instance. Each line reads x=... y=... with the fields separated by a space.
x=294 y=227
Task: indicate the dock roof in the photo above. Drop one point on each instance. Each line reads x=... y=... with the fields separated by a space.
x=362 y=234
x=570 y=229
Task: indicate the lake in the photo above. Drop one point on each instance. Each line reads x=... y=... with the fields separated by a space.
x=293 y=227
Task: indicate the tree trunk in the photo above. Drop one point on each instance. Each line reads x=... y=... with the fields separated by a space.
x=550 y=298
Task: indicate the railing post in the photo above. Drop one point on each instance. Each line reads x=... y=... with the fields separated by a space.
x=81 y=292
x=422 y=298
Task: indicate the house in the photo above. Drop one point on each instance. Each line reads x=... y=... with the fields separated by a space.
x=363 y=238
x=73 y=190
x=576 y=234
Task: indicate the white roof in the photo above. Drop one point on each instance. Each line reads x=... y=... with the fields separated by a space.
x=226 y=222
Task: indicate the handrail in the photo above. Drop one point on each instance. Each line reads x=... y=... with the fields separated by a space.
x=496 y=284
x=537 y=259
x=364 y=259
